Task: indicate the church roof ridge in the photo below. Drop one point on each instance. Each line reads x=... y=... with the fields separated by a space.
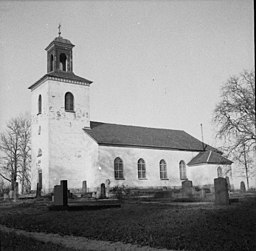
x=138 y=126
x=144 y=137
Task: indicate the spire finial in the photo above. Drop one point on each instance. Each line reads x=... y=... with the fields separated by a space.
x=59 y=29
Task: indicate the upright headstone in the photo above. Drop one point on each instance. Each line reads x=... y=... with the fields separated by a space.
x=11 y=194
x=242 y=187
x=6 y=197
x=38 y=190
x=187 y=188
x=61 y=194
x=107 y=187
x=228 y=182
x=102 y=191
x=221 y=191
x=84 y=187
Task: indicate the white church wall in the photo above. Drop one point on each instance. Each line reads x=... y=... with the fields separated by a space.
x=130 y=157
x=67 y=144
x=39 y=136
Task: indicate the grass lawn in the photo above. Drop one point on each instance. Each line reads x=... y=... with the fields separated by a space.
x=13 y=242
x=203 y=227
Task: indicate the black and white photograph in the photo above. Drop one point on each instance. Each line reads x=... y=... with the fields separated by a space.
x=127 y=125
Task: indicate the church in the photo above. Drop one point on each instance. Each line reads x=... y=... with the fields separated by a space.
x=67 y=145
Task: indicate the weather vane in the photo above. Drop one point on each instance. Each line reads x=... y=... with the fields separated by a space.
x=59 y=29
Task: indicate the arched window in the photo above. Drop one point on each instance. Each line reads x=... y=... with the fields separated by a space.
x=219 y=172
x=63 y=62
x=141 y=169
x=69 y=101
x=183 y=174
x=39 y=152
x=118 y=169
x=163 y=169
x=51 y=63
x=39 y=104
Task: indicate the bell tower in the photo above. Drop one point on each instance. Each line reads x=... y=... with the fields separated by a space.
x=59 y=55
x=60 y=110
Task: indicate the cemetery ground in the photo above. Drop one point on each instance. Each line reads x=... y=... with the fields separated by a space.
x=162 y=224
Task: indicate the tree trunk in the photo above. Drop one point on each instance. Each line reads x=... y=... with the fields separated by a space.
x=246 y=168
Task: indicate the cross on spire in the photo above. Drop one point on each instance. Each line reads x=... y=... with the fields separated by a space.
x=59 y=29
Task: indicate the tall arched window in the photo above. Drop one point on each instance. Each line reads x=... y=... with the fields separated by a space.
x=163 y=169
x=63 y=62
x=219 y=172
x=51 y=63
x=183 y=173
x=118 y=169
x=141 y=169
x=39 y=104
x=69 y=101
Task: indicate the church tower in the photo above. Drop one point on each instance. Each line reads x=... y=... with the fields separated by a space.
x=60 y=111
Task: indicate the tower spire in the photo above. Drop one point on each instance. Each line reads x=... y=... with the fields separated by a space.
x=59 y=29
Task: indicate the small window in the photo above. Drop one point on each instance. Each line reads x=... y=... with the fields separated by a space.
x=63 y=62
x=39 y=130
x=51 y=63
x=39 y=104
x=163 y=169
x=69 y=102
x=118 y=169
x=39 y=152
x=219 y=172
x=141 y=169
x=183 y=174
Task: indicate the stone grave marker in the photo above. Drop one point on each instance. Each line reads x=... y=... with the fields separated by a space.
x=84 y=187
x=61 y=194
x=242 y=187
x=6 y=196
x=221 y=191
x=187 y=188
x=102 y=191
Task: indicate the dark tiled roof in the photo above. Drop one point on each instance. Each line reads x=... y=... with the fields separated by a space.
x=134 y=136
x=62 y=75
x=209 y=157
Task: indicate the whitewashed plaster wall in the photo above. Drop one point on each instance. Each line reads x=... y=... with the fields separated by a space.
x=67 y=142
x=130 y=157
x=39 y=136
x=62 y=140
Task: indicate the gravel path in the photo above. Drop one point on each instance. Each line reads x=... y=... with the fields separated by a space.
x=79 y=243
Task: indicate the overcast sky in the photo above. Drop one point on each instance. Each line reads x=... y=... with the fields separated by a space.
x=153 y=63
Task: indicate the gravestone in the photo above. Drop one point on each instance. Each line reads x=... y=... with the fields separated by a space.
x=242 y=187
x=84 y=187
x=221 y=191
x=228 y=182
x=6 y=197
x=107 y=187
x=98 y=193
x=61 y=194
x=187 y=188
x=11 y=194
x=38 y=190
x=102 y=191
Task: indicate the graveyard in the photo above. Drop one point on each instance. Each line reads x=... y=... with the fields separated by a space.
x=162 y=220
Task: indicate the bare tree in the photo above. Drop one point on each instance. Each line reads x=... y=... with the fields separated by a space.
x=234 y=116
x=15 y=152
